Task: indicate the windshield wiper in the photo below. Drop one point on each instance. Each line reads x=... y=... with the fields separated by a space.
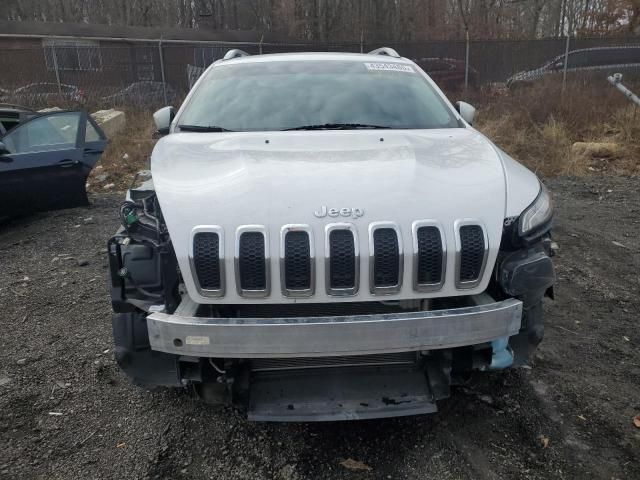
x=203 y=128
x=337 y=126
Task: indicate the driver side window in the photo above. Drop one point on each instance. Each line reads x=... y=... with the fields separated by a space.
x=51 y=132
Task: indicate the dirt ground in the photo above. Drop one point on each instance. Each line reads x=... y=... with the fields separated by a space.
x=66 y=411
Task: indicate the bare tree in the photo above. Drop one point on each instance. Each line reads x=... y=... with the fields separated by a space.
x=346 y=20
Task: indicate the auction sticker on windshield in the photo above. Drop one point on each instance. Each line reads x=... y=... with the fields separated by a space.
x=388 y=67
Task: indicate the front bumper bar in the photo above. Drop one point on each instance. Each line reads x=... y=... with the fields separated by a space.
x=183 y=333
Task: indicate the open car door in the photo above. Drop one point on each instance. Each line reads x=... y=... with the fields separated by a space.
x=45 y=162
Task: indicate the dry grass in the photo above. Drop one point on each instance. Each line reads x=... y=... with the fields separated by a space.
x=127 y=153
x=537 y=125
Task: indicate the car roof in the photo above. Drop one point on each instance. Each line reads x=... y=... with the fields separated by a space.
x=617 y=47
x=36 y=84
x=9 y=107
x=315 y=56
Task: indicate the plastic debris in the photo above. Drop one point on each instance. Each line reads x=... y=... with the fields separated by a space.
x=544 y=441
x=351 y=464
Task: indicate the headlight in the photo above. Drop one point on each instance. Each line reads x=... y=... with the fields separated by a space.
x=538 y=214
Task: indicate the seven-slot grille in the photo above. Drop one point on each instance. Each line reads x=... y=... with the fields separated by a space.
x=342 y=272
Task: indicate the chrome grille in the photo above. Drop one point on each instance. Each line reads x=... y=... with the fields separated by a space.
x=341 y=256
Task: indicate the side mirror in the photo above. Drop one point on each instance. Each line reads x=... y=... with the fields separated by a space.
x=466 y=111
x=3 y=149
x=163 y=118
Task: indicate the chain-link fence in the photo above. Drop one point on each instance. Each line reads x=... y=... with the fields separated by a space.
x=107 y=73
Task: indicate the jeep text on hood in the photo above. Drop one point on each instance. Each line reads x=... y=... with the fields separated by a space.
x=326 y=237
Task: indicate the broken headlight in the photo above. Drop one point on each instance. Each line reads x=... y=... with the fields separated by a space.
x=537 y=217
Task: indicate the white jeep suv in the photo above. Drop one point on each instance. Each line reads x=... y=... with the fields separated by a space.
x=326 y=237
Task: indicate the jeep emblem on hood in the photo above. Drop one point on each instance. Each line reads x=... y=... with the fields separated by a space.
x=339 y=212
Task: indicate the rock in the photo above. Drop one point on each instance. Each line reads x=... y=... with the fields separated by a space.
x=351 y=464
x=288 y=472
x=22 y=361
x=4 y=381
x=82 y=262
x=590 y=150
x=109 y=186
x=111 y=122
x=50 y=110
x=102 y=177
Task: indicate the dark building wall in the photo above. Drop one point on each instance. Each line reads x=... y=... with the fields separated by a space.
x=22 y=61
x=113 y=64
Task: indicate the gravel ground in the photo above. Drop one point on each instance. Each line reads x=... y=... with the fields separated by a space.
x=67 y=412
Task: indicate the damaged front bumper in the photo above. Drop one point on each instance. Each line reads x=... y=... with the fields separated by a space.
x=185 y=333
x=318 y=368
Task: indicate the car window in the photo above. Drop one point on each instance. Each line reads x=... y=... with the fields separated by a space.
x=585 y=58
x=51 y=132
x=605 y=56
x=268 y=96
x=434 y=65
x=91 y=134
x=619 y=55
x=39 y=88
x=9 y=120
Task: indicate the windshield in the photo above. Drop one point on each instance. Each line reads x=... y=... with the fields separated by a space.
x=283 y=95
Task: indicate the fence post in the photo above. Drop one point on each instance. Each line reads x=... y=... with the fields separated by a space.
x=260 y=44
x=361 y=40
x=466 y=62
x=164 y=85
x=55 y=66
x=566 y=62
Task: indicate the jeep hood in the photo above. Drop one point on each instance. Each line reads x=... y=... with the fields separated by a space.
x=279 y=178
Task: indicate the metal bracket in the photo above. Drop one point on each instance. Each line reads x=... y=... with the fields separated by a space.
x=388 y=51
x=235 y=53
